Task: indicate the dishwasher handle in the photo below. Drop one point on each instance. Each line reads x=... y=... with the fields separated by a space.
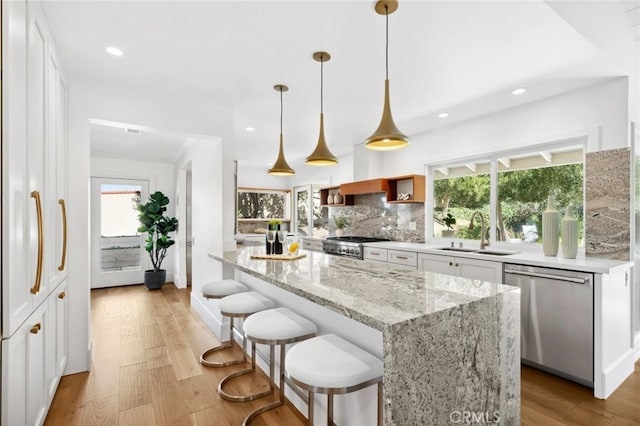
x=574 y=280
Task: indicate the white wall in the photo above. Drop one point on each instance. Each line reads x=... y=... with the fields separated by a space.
x=108 y=101
x=160 y=177
x=204 y=159
x=603 y=106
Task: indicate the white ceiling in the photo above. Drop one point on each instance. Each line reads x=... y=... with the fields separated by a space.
x=459 y=57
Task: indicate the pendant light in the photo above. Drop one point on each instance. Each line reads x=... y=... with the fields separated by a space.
x=387 y=137
x=321 y=156
x=281 y=168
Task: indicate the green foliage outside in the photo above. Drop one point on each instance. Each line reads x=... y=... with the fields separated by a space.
x=522 y=197
x=261 y=205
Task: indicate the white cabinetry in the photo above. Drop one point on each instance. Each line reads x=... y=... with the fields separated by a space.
x=375 y=254
x=34 y=160
x=406 y=258
x=478 y=269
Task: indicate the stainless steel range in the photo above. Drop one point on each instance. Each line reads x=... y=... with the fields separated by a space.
x=348 y=246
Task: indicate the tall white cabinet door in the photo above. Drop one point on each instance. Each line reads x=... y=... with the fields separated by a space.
x=37 y=63
x=17 y=301
x=56 y=340
x=55 y=170
x=23 y=366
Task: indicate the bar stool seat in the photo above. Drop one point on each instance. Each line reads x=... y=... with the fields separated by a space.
x=222 y=288
x=239 y=305
x=279 y=326
x=329 y=364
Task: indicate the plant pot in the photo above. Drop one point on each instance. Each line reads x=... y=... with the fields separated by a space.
x=154 y=280
x=448 y=233
x=339 y=232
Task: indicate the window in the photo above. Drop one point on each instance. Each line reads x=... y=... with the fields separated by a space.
x=311 y=218
x=520 y=184
x=263 y=203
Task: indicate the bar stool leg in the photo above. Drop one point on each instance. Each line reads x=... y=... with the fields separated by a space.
x=224 y=345
x=312 y=402
x=280 y=402
x=329 y=409
x=380 y=403
x=244 y=398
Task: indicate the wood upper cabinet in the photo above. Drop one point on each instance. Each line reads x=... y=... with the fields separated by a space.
x=412 y=185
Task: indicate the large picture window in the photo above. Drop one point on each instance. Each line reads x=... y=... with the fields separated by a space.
x=264 y=204
x=519 y=184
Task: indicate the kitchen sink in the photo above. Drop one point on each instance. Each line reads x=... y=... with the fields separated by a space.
x=460 y=249
x=476 y=251
x=496 y=252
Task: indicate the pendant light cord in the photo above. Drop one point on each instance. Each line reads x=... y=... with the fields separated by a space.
x=281 y=110
x=321 y=84
x=386 y=57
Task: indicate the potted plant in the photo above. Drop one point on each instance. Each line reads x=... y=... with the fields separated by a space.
x=158 y=226
x=341 y=223
x=449 y=220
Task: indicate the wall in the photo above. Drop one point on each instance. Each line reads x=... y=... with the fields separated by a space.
x=603 y=106
x=160 y=177
x=108 y=101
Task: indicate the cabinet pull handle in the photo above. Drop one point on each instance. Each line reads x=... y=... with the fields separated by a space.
x=375 y=253
x=402 y=257
x=36 y=286
x=575 y=280
x=62 y=295
x=36 y=328
x=64 y=234
x=450 y=263
x=457 y=264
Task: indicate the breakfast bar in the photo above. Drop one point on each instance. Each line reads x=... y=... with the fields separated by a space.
x=450 y=345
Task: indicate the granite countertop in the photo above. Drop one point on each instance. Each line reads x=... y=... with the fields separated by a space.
x=378 y=295
x=524 y=257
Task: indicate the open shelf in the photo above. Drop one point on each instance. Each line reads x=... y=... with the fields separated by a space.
x=414 y=185
x=347 y=200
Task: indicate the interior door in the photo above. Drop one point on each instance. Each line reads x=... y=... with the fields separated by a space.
x=189 y=236
x=117 y=249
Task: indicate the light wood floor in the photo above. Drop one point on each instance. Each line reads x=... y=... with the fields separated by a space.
x=146 y=372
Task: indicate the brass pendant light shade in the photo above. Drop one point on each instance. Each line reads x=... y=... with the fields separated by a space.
x=321 y=156
x=387 y=137
x=280 y=167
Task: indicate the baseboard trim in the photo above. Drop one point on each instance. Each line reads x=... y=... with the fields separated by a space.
x=219 y=326
x=617 y=373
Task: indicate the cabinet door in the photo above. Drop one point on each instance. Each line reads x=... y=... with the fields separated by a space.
x=376 y=254
x=56 y=339
x=406 y=258
x=476 y=269
x=436 y=263
x=17 y=301
x=37 y=60
x=23 y=369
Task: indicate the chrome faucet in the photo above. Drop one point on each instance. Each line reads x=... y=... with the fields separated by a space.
x=483 y=242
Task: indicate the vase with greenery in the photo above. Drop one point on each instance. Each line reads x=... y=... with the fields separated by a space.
x=449 y=221
x=158 y=225
x=341 y=222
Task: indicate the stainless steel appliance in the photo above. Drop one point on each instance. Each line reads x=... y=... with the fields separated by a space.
x=557 y=320
x=348 y=246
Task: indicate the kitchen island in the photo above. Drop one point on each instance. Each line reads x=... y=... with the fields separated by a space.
x=450 y=345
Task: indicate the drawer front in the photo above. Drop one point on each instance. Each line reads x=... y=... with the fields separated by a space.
x=372 y=253
x=407 y=258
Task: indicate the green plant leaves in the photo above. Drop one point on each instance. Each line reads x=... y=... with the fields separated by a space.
x=158 y=226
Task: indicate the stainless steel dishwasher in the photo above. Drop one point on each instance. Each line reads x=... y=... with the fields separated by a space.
x=557 y=320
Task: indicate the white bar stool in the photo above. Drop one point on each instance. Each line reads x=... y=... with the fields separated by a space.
x=279 y=326
x=239 y=305
x=331 y=365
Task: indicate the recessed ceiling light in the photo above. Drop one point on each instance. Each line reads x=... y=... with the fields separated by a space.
x=112 y=50
x=519 y=91
x=250 y=129
x=443 y=115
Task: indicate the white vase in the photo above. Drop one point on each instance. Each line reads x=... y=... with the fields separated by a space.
x=337 y=199
x=339 y=232
x=569 y=235
x=550 y=229
x=330 y=198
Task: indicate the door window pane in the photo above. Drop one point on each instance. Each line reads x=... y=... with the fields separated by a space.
x=119 y=237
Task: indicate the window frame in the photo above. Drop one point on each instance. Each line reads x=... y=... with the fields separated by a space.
x=493 y=158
